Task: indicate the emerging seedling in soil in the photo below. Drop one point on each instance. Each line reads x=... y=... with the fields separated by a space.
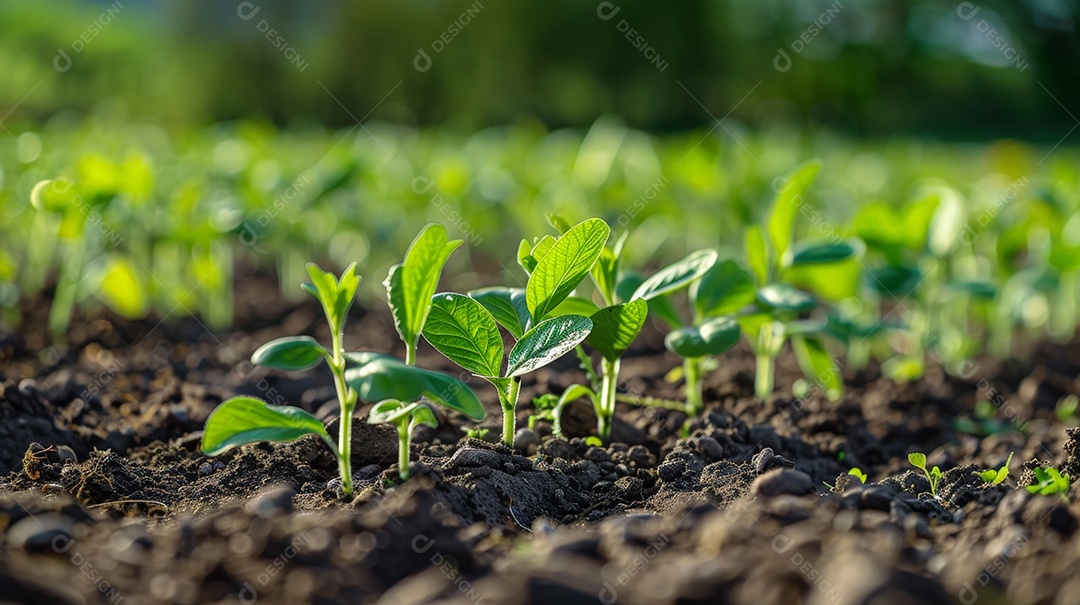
x=858 y=474
x=371 y=377
x=918 y=460
x=465 y=329
x=996 y=477
x=405 y=418
x=1050 y=482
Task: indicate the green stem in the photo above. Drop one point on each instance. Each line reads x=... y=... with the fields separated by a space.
x=608 y=382
x=764 y=375
x=508 y=400
x=347 y=401
x=404 y=440
x=410 y=353
x=692 y=371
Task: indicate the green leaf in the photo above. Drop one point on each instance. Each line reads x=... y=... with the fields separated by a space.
x=816 y=254
x=786 y=204
x=917 y=459
x=336 y=295
x=782 y=297
x=377 y=377
x=725 y=288
x=757 y=254
x=423 y=415
x=989 y=476
x=559 y=223
x=817 y=365
x=390 y=411
x=525 y=257
x=508 y=307
x=676 y=276
x=574 y=305
x=465 y=332
x=546 y=342
x=563 y=267
x=661 y=306
x=290 y=353
x=411 y=284
x=616 y=327
x=714 y=337
x=897 y=281
x=242 y=420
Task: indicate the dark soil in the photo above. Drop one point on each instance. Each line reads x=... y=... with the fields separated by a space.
x=109 y=499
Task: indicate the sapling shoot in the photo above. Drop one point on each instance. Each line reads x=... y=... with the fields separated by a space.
x=918 y=460
x=367 y=376
x=1049 y=482
x=996 y=477
x=465 y=329
x=405 y=418
x=858 y=474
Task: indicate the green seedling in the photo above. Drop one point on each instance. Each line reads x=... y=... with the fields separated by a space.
x=465 y=329
x=405 y=418
x=367 y=376
x=996 y=477
x=1066 y=408
x=411 y=284
x=858 y=474
x=477 y=433
x=772 y=258
x=1050 y=482
x=918 y=460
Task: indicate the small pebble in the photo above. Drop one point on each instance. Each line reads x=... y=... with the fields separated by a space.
x=782 y=481
x=27 y=387
x=41 y=533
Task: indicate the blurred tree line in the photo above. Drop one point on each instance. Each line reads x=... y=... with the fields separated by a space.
x=864 y=66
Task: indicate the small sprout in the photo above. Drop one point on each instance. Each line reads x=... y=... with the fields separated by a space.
x=477 y=433
x=1050 y=482
x=1067 y=407
x=858 y=474
x=404 y=417
x=594 y=441
x=918 y=460
x=996 y=477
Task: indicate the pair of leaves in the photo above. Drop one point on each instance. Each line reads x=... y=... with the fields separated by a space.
x=335 y=294
x=411 y=283
x=393 y=411
x=463 y=330
x=996 y=477
x=1050 y=482
x=713 y=337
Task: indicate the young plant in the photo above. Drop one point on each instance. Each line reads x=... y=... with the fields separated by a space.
x=411 y=284
x=996 y=477
x=858 y=474
x=774 y=260
x=405 y=418
x=1050 y=482
x=465 y=329
x=371 y=377
x=918 y=460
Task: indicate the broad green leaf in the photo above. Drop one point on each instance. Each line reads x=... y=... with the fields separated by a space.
x=377 y=377
x=757 y=254
x=817 y=365
x=725 y=288
x=389 y=411
x=507 y=305
x=782 y=297
x=814 y=254
x=242 y=420
x=465 y=332
x=290 y=353
x=605 y=272
x=559 y=223
x=786 y=204
x=616 y=327
x=336 y=295
x=676 y=276
x=831 y=281
x=546 y=342
x=563 y=267
x=542 y=246
x=917 y=459
x=122 y=288
x=574 y=305
x=411 y=284
x=712 y=338
x=661 y=306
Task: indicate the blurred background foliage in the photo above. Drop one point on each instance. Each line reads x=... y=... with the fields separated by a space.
x=872 y=66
